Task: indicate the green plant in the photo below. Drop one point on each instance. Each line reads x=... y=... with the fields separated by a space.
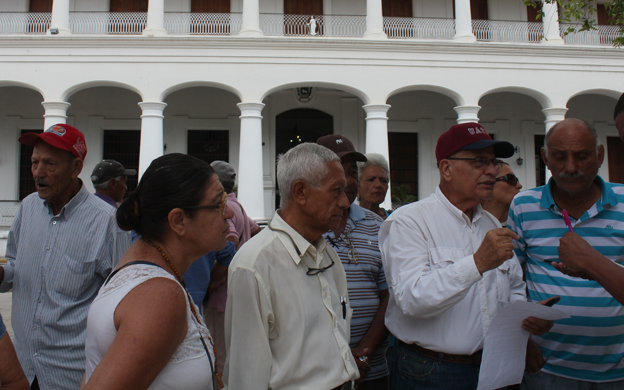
x=401 y=193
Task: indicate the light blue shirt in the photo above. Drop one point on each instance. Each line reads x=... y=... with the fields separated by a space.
x=590 y=345
x=56 y=266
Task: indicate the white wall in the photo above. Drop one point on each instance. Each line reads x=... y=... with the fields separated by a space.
x=14 y=6
x=432 y=9
x=507 y=10
x=347 y=7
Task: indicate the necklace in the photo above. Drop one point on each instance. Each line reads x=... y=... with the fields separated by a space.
x=188 y=297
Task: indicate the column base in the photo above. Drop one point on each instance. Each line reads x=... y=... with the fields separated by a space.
x=465 y=38
x=552 y=41
x=154 y=32
x=250 y=33
x=378 y=35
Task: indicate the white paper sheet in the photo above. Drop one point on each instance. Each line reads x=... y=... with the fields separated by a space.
x=504 y=349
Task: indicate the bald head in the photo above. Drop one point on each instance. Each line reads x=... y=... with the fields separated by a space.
x=568 y=125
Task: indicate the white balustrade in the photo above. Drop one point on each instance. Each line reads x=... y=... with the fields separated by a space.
x=507 y=31
x=126 y=23
x=603 y=35
x=419 y=28
x=24 y=22
x=202 y=23
x=325 y=25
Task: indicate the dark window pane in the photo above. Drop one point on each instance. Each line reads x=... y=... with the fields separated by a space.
x=540 y=167
x=209 y=145
x=27 y=183
x=403 y=148
x=123 y=146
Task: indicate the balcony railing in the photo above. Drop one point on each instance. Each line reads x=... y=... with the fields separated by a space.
x=178 y=23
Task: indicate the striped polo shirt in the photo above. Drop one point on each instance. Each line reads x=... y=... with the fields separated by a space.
x=358 y=249
x=589 y=346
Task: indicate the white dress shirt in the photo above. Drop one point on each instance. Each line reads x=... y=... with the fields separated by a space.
x=285 y=329
x=438 y=299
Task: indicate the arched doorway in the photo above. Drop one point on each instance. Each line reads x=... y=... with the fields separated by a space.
x=297 y=126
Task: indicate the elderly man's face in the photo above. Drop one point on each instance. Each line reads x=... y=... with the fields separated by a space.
x=53 y=171
x=472 y=183
x=573 y=158
x=351 y=173
x=326 y=203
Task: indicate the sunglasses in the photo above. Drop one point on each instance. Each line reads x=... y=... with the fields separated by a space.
x=509 y=178
x=214 y=206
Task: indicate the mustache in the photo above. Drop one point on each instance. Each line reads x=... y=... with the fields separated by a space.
x=41 y=181
x=575 y=175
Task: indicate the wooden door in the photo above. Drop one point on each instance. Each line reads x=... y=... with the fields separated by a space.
x=615 y=152
x=128 y=5
x=40 y=6
x=534 y=14
x=397 y=8
x=303 y=7
x=479 y=9
x=211 y=6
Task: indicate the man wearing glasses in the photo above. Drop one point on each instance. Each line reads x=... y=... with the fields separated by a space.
x=356 y=242
x=287 y=316
x=450 y=268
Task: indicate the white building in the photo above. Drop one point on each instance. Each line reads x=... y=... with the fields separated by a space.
x=243 y=80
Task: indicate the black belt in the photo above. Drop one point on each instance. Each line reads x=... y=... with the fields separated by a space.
x=474 y=359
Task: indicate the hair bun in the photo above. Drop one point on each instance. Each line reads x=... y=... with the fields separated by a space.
x=128 y=213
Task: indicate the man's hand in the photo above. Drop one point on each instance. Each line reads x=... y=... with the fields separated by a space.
x=363 y=366
x=576 y=254
x=570 y=272
x=495 y=249
x=536 y=326
x=534 y=358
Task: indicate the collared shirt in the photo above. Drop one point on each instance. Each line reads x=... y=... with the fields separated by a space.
x=285 y=329
x=365 y=279
x=241 y=226
x=590 y=345
x=197 y=277
x=106 y=199
x=438 y=299
x=57 y=264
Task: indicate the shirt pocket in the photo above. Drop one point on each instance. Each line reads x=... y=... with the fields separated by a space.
x=502 y=282
x=442 y=257
x=70 y=276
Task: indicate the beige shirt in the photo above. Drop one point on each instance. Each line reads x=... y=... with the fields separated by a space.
x=285 y=329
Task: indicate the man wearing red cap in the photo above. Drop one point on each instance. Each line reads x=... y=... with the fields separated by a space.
x=450 y=267
x=63 y=244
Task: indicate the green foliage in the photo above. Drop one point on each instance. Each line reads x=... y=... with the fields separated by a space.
x=402 y=194
x=580 y=14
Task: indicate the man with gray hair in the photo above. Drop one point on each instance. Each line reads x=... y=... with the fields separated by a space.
x=109 y=179
x=287 y=318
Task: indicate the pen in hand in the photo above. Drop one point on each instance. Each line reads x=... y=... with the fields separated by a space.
x=566 y=219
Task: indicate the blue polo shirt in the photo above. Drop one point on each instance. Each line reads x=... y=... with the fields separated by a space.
x=588 y=346
x=197 y=277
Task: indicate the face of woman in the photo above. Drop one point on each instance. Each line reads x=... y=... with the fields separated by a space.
x=373 y=185
x=503 y=191
x=210 y=226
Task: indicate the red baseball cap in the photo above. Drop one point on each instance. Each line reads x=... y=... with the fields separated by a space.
x=60 y=136
x=470 y=136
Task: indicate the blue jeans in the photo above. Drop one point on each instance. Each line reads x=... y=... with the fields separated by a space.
x=544 y=381
x=410 y=370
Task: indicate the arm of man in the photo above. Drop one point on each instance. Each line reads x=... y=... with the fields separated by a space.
x=7 y=271
x=582 y=260
x=375 y=335
x=11 y=374
x=422 y=289
x=151 y=324
x=248 y=315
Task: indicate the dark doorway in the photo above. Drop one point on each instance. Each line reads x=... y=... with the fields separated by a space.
x=298 y=126
x=211 y=6
x=209 y=145
x=124 y=146
x=615 y=151
x=26 y=181
x=294 y=25
x=403 y=149
x=40 y=6
x=540 y=166
x=397 y=8
x=128 y=5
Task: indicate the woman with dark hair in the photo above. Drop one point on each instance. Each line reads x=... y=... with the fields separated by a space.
x=143 y=331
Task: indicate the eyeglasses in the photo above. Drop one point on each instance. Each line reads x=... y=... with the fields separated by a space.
x=480 y=162
x=213 y=206
x=353 y=255
x=509 y=178
x=315 y=271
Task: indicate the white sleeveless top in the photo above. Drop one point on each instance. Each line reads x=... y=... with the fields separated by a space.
x=187 y=369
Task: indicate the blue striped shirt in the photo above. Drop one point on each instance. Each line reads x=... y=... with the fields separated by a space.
x=590 y=345
x=365 y=279
x=56 y=265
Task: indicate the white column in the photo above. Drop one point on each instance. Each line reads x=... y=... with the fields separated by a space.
x=55 y=112
x=155 y=18
x=374 y=20
x=552 y=35
x=152 y=143
x=377 y=138
x=553 y=116
x=60 y=17
x=467 y=114
x=463 y=22
x=251 y=22
x=250 y=178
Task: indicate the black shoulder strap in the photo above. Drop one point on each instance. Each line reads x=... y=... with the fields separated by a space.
x=127 y=264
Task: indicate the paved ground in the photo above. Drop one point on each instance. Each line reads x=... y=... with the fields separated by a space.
x=5 y=310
